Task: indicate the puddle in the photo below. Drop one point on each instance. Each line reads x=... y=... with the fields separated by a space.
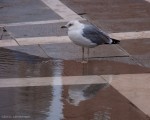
x=63 y=102
x=14 y=64
x=89 y=102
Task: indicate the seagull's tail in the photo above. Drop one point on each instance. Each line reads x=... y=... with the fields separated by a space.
x=114 y=41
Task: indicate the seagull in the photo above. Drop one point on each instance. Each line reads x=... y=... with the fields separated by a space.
x=87 y=36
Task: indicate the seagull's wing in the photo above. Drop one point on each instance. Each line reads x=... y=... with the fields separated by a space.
x=95 y=35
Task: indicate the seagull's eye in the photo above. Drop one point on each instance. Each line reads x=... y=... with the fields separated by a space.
x=70 y=24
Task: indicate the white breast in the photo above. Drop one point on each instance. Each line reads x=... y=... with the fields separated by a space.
x=76 y=36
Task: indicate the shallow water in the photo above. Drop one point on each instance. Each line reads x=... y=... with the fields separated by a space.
x=14 y=64
x=63 y=102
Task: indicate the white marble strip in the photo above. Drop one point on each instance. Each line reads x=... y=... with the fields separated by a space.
x=4 y=43
x=65 y=39
x=43 y=40
x=131 y=35
x=62 y=10
x=45 y=81
x=33 y=23
x=147 y=0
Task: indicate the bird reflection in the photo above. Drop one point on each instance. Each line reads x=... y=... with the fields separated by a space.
x=79 y=93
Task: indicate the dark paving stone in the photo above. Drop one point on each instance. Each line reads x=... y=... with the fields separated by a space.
x=116 y=15
x=25 y=11
x=39 y=103
x=104 y=66
x=139 y=49
x=136 y=47
x=53 y=29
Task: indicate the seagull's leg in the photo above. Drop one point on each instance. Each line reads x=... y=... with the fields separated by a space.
x=88 y=51
x=83 y=60
x=82 y=53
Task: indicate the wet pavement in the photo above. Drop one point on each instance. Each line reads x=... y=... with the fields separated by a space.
x=52 y=103
x=41 y=74
x=114 y=16
x=23 y=11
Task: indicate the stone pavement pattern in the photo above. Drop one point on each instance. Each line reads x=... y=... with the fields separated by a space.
x=41 y=76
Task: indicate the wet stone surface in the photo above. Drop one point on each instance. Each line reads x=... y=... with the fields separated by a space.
x=78 y=102
x=40 y=30
x=25 y=11
x=99 y=101
x=139 y=49
x=15 y=64
x=114 y=16
x=70 y=51
x=31 y=50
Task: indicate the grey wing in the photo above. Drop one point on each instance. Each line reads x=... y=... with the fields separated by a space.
x=95 y=35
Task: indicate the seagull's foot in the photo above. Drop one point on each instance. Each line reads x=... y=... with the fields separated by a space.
x=84 y=61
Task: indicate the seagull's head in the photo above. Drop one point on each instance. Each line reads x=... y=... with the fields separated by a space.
x=72 y=25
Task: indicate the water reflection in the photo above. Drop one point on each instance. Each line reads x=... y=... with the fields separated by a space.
x=105 y=114
x=80 y=93
x=16 y=64
x=62 y=102
x=56 y=107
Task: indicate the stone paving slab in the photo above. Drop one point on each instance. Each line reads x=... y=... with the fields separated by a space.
x=62 y=10
x=143 y=60
x=70 y=51
x=103 y=103
x=47 y=81
x=104 y=66
x=135 y=87
x=43 y=40
x=23 y=11
x=41 y=63
x=22 y=62
x=139 y=49
x=7 y=43
x=33 y=50
x=114 y=16
x=136 y=47
x=131 y=35
x=40 y=30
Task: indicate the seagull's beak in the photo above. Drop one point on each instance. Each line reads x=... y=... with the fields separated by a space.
x=64 y=26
